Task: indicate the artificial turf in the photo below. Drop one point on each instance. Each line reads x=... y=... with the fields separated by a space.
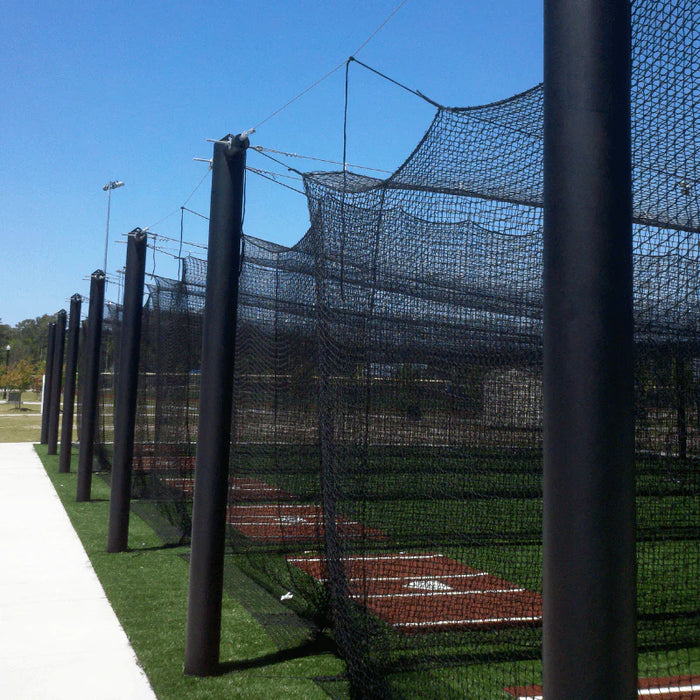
x=147 y=587
x=148 y=590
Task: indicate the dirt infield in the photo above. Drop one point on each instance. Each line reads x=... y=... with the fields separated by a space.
x=670 y=688
x=149 y=462
x=430 y=592
x=184 y=484
x=240 y=489
x=290 y=524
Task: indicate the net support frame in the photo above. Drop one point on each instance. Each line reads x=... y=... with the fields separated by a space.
x=203 y=632
x=88 y=421
x=72 y=348
x=126 y=393
x=589 y=627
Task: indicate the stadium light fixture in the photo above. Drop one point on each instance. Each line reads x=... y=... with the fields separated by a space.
x=111 y=185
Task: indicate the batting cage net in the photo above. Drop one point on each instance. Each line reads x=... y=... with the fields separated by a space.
x=386 y=461
x=112 y=317
x=386 y=456
x=168 y=400
x=165 y=436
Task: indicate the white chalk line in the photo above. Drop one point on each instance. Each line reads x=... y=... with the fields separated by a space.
x=641 y=693
x=645 y=692
x=286 y=520
x=474 y=621
x=408 y=577
x=425 y=594
x=283 y=507
x=392 y=557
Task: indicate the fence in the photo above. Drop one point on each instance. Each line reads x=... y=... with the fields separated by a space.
x=386 y=479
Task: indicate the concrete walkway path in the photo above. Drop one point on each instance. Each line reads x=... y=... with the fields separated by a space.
x=59 y=637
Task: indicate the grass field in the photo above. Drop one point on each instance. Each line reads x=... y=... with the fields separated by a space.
x=403 y=495
x=481 y=507
x=21 y=424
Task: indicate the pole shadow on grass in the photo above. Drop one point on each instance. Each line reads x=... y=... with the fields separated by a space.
x=322 y=644
x=156 y=548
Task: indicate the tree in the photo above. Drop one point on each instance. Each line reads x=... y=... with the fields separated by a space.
x=19 y=377
x=5 y=334
x=29 y=339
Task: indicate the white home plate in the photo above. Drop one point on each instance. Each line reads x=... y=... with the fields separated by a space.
x=293 y=520
x=428 y=585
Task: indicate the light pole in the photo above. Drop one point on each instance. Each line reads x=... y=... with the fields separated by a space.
x=111 y=185
x=7 y=364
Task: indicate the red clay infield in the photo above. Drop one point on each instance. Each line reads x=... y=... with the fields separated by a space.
x=290 y=523
x=240 y=489
x=669 y=688
x=149 y=462
x=431 y=592
x=244 y=489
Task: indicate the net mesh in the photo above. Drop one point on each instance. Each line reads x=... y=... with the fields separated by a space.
x=168 y=400
x=386 y=457
x=389 y=388
x=167 y=406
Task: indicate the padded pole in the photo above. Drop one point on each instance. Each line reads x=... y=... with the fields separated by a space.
x=125 y=399
x=216 y=389
x=56 y=383
x=69 y=390
x=589 y=490
x=48 y=375
x=88 y=419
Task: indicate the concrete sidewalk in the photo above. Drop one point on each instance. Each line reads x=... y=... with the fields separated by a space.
x=59 y=637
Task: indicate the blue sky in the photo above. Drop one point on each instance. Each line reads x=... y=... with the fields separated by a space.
x=93 y=92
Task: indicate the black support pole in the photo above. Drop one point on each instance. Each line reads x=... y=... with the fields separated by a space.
x=48 y=375
x=56 y=383
x=88 y=418
x=125 y=399
x=69 y=390
x=216 y=386
x=589 y=628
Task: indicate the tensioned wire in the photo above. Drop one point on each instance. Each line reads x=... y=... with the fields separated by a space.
x=294 y=99
x=331 y=72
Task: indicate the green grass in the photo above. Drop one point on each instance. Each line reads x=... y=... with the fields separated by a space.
x=147 y=587
x=477 y=664
x=20 y=424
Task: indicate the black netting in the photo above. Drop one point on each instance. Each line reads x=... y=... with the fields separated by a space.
x=388 y=392
x=386 y=457
x=168 y=402
x=106 y=385
x=165 y=436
